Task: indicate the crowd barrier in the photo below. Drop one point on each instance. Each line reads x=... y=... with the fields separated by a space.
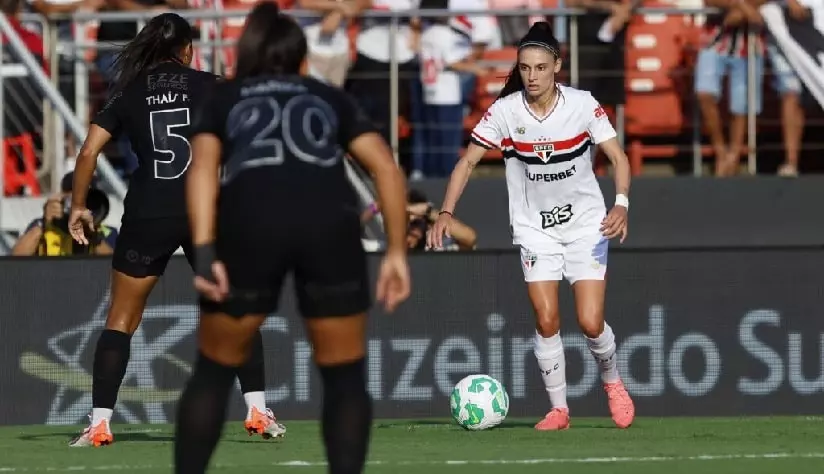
x=734 y=332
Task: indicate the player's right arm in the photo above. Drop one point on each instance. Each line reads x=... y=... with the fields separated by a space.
x=202 y=190
x=106 y=124
x=487 y=135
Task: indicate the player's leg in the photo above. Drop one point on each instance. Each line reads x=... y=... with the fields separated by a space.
x=334 y=299
x=252 y=375
x=542 y=272
x=585 y=267
x=226 y=338
x=139 y=259
x=224 y=343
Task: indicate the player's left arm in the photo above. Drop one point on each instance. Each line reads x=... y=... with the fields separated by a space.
x=603 y=135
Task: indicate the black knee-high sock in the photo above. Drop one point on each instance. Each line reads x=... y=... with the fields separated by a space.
x=252 y=374
x=110 y=360
x=347 y=417
x=201 y=413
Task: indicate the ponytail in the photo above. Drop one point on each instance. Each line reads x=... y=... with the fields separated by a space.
x=514 y=82
x=162 y=39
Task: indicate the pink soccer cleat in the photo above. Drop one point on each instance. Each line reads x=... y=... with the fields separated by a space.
x=557 y=419
x=620 y=404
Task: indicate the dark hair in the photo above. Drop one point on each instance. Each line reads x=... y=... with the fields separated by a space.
x=414 y=196
x=162 y=39
x=540 y=36
x=271 y=43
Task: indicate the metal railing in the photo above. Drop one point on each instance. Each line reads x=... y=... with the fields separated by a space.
x=214 y=46
x=51 y=94
x=395 y=19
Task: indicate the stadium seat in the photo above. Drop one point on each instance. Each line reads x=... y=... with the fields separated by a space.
x=20 y=166
x=654 y=53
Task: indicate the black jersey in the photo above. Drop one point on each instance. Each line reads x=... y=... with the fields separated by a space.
x=284 y=139
x=155 y=112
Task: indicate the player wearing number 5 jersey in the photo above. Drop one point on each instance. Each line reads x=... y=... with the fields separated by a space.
x=151 y=103
x=557 y=211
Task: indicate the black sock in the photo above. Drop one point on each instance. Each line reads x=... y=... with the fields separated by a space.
x=201 y=413
x=347 y=417
x=110 y=360
x=251 y=375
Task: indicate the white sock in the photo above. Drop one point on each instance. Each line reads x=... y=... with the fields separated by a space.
x=550 y=354
x=603 y=349
x=255 y=400
x=101 y=414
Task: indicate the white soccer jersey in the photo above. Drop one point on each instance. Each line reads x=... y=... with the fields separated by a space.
x=553 y=194
x=442 y=45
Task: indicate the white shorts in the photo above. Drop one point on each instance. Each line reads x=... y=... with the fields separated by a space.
x=582 y=259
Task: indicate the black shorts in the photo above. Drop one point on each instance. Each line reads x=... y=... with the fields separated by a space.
x=144 y=246
x=325 y=254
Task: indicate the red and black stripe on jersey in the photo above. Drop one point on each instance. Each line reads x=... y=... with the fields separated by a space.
x=562 y=150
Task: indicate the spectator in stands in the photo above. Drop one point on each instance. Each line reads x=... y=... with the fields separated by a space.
x=66 y=56
x=513 y=28
x=482 y=32
x=368 y=79
x=48 y=236
x=22 y=113
x=422 y=215
x=790 y=88
x=601 y=55
x=326 y=37
x=121 y=32
x=725 y=49
x=446 y=52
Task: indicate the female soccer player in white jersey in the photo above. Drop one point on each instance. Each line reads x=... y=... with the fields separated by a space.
x=557 y=211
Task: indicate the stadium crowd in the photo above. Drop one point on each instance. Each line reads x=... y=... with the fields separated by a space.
x=443 y=64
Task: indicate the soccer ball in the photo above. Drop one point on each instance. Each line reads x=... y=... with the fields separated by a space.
x=479 y=402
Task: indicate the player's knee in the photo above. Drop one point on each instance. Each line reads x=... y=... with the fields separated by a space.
x=591 y=324
x=124 y=320
x=228 y=340
x=548 y=323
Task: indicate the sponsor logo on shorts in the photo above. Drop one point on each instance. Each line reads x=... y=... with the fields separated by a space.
x=556 y=216
x=549 y=177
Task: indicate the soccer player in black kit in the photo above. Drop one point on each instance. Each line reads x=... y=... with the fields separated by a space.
x=280 y=139
x=151 y=103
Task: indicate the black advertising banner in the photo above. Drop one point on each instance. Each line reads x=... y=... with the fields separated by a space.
x=699 y=333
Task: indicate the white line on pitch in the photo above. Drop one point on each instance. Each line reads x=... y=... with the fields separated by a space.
x=588 y=460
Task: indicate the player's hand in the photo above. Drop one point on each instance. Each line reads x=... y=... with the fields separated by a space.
x=442 y=226
x=216 y=289
x=79 y=220
x=615 y=223
x=393 y=281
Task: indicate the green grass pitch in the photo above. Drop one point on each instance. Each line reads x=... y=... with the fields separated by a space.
x=650 y=446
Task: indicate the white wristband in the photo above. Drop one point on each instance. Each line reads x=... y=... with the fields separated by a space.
x=622 y=200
